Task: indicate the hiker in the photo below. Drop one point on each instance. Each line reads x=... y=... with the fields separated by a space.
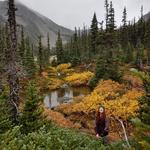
x=102 y=124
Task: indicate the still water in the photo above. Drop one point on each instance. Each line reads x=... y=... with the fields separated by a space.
x=64 y=95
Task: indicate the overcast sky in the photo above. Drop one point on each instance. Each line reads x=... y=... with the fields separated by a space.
x=71 y=13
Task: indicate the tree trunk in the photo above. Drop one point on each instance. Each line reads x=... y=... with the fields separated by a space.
x=11 y=59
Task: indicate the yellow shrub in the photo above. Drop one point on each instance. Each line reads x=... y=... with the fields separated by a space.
x=60 y=71
x=55 y=83
x=77 y=79
x=63 y=67
x=117 y=100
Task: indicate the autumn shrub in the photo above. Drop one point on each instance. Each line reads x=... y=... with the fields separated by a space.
x=133 y=81
x=78 y=79
x=60 y=71
x=59 y=119
x=117 y=99
x=54 y=83
x=53 y=77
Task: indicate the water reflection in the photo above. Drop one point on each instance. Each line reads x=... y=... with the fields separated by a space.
x=64 y=95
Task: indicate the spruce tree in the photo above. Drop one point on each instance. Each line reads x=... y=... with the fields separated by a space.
x=145 y=100
x=147 y=41
x=94 y=34
x=129 y=53
x=147 y=35
x=59 y=49
x=139 y=55
x=40 y=55
x=47 y=51
x=107 y=12
x=22 y=45
x=48 y=42
x=5 y=123
x=76 y=49
x=141 y=134
x=141 y=27
x=124 y=32
x=132 y=33
x=124 y=18
x=110 y=37
x=2 y=56
x=85 y=42
x=106 y=68
x=29 y=63
x=31 y=116
x=111 y=18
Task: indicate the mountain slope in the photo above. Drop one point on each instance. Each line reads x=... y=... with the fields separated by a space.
x=147 y=16
x=35 y=24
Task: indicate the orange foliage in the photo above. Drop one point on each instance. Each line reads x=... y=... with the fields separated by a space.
x=45 y=74
x=118 y=100
x=59 y=119
x=134 y=81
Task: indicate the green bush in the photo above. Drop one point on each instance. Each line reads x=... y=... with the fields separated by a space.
x=5 y=123
x=31 y=117
x=53 y=139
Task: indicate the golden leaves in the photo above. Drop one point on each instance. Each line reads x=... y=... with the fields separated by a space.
x=77 y=79
x=118 y=100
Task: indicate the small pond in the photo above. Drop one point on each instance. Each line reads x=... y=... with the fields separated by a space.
x=64 y=95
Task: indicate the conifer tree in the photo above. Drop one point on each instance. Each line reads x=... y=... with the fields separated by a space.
x=129 y=53
x=132 y=33
x=147 y=41
x=2 y=56
x=111 y=18
x=107 y=12
x=141 y=27
x=76 y=43
x=124 y=18
x=59 y=49
x=5 y=122
x=147 y=35
x=85 y=42
x=106 y=68
x=143 y=125
x=48 y=43
x=2 y=44
x=110 y=37
x=30 y=118
x=48 y=49
x=40 y=55
x=145 y=100
x=22 y=45
x=94 y=34
x=139 y=55
x=46 y=53
x=29 y=63
x=124 y=32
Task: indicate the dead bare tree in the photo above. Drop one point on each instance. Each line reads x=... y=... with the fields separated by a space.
x=11 y=59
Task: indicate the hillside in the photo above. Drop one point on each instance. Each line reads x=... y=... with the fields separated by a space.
x=147 y=16
x=36 y=24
